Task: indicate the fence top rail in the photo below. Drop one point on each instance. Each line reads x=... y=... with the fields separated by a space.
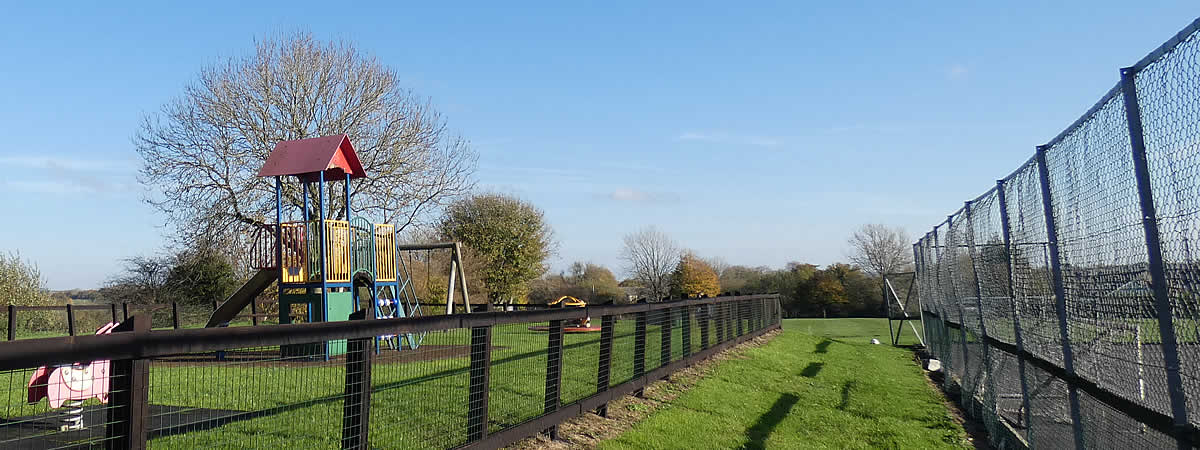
x=63 y=308
x=131 y=345
x=1167 y=46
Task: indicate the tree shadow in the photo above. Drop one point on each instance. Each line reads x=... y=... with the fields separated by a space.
x=767 y=422
x=812 y=369
x=823 y=346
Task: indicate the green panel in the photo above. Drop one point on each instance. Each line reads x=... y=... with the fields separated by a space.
x=339 y=307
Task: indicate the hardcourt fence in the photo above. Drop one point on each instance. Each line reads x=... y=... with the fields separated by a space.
x=69 y=320
x=1065 y=301
x=478 y=380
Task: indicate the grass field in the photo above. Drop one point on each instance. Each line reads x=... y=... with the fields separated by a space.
x=819 y=384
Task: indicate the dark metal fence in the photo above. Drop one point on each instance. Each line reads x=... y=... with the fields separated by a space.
x=1065 y=301
x=477 y=380
x=25 y=322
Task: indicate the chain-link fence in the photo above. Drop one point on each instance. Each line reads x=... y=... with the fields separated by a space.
x=1064 y=302
x=480 y=380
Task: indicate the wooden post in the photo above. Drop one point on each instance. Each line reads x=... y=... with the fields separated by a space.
x=129 y=395
x=356 y=406
x=477 y=389
x=605 y=370
x=462 y=276
x=254 y=312
x=12 y=322
x=70 y=320
x=686 y=330
x=125 y=310
x=175 y=315
x=554 y=353
x=639 y=348
x=450 y=286
x=113 y=307
x=664 y=331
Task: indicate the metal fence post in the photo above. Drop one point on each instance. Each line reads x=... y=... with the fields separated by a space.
x=1158 y=276
x=129 y=395
x=1006 y=233
x=356 y=404
x=1060 y=296
x=685 y=330
x=639 y=348
x=604 y=371
x=664 y=332
x=554 y=351
x=480 y=370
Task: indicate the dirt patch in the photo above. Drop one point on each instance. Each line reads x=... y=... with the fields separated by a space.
x=588 y=430
x=977 y=434
x=272 y=358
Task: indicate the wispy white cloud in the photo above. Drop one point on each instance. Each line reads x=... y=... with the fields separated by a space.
x=957 y=71
x=65 y=176
x=638 y=196
x=731 y=138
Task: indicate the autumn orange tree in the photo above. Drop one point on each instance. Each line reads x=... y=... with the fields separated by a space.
x=694 y=277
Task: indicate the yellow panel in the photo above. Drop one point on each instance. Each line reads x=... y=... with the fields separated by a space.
x=294 y=266
x=385 y=252
x=338 y=248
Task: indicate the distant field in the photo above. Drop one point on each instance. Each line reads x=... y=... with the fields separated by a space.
x=820 y=384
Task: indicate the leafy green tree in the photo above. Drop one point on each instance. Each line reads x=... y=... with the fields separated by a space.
x=21 y=284
x=511 y=237
x=694 y=277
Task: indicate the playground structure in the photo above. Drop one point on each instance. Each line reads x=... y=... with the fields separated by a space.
x=328 y=268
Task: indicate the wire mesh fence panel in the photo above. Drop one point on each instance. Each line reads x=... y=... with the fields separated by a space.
x=656 y=322
x=581 y=352
x=1110 y=428
x=1103 y=249
x=1004 y=400
x=990 y=256
x=516 y=392
x=1168 y=92
x=1030 y=261
x=248 y=397
x=678 y=315
x=1050 y=424
x=625 y=347
x=420 y=397
x=36 y=414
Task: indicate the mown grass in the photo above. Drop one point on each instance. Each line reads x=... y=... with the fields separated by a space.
x=819 y=384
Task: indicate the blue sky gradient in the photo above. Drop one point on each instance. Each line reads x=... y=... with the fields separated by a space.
x=762 y=132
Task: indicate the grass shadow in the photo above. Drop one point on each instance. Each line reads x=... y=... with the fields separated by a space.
x=767 y=422
x=846 y=388
x=812 y=369
x=823 y=346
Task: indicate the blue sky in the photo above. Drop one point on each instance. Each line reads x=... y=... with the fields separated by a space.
x=759 y=132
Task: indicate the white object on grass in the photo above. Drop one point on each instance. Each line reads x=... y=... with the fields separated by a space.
x=875 y=341
x=933 y=365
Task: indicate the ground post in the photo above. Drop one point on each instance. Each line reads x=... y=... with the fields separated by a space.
x=554 y=353
x=356 y=403
x=604 y=370
x=129 y=395
x=477 y=390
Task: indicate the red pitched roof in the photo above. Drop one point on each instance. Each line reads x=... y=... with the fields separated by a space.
x=306 y=158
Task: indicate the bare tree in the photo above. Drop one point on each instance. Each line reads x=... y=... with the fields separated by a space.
x=880 y=249
x=143 y=279
x=202 y=150
x=650 y=256
x=717 y=263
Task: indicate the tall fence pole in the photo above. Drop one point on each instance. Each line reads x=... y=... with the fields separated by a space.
x=554 y=352
x=1060 y=295
x=477 y=389
x=604 y=371
x=962 y=313
x=356 y=406
x=1158 y=277
x=129 y=395
x=1006 y=234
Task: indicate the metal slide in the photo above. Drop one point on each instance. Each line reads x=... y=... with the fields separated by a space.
x=242 y=297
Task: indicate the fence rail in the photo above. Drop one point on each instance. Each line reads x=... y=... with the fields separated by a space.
x=1065 y=301
x=479 y=380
